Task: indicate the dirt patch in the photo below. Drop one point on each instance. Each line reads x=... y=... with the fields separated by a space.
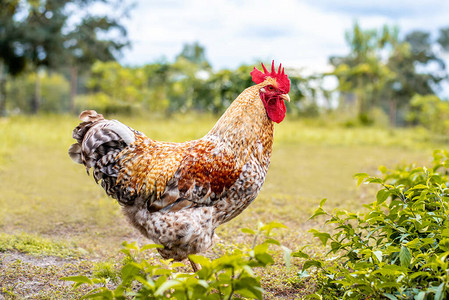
x=38 y=261
x=39 y=277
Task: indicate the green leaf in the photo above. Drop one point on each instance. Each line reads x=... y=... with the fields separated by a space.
x=322 y=202
x=318 y=212
x=378 y=255
x=78 y=279
x=151 y=246
x=419 y=187
x=445 y=232
x=248 y=270
x=335 y=246
x=374 y=180
x=420 y=296
x=157 y=272
x=146 y=283
x=203 y=261
x=323 y=236
x=165 y=286
x=382 y=195
x=130 y=270
x=249 y=287
x=261 y=248
x=264 y=258
x=360 y=177
x=444 y=244
x=248 y=231
x=417 y=274
x=104 y=294
x=439 y=294
x=300 y=254
x=390 y=296
x=268 y=227
x=383 y=169
x=405 y=257
x=177 y=264
x=272 y=241
x=132 y=245
x=312 y=263
x=389 y=270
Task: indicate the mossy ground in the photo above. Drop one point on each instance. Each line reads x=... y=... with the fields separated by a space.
x=55 y=221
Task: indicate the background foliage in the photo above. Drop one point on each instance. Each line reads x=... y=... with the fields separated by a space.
x=387 y=77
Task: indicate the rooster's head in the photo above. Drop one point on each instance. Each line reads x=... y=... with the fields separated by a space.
x=274 y=88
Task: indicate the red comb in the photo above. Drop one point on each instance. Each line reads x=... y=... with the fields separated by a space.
x=281 y=79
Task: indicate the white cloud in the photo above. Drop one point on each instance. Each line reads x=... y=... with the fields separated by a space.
x=296 y=33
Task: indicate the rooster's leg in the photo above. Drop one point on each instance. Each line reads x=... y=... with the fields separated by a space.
x=195 y=266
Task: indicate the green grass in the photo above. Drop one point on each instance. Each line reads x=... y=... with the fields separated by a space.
x=50 y=198
x=37 y=245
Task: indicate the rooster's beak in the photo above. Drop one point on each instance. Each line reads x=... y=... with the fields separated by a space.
x=286 y=97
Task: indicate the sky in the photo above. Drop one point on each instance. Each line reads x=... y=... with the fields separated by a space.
x=298 y=34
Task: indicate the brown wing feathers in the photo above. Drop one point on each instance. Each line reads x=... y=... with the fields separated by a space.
x=170 y=176
x=207 y=171
x=193 y=171
x=146 y=166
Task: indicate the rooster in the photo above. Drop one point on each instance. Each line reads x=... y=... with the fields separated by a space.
x=176 y=194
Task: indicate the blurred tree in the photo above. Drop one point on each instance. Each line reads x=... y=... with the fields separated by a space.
x=420 y=45
x=411 y=62
x=362 y=71
x=443 y=41
x=225 y=85
x=37 y=33
x=54 y=92
x=189 y=74
x=10 y=34
x=383 y=71
x=36 y=38
x=118 y=88
x=85 y=46
x=195 y=53
x=406 y=81
x=443 y=38
x=308 y=94
x=158 y=78
x=430 y=112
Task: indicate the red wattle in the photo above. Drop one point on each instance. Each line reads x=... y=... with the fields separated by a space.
x=276 y=109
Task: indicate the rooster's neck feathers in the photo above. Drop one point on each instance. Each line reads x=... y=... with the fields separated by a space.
x=245 y=122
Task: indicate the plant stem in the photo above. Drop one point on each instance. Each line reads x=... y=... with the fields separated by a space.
x=218 y=287
x=232 y=284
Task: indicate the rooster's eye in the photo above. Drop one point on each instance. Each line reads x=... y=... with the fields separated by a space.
x=270 y=88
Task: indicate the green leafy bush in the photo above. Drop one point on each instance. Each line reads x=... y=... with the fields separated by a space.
x=226 y=277
x=431 y=112
x=398 y=249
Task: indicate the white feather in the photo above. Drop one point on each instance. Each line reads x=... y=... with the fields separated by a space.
x=122 y=130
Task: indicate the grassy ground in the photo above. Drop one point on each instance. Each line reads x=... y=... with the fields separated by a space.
x=55 y=221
